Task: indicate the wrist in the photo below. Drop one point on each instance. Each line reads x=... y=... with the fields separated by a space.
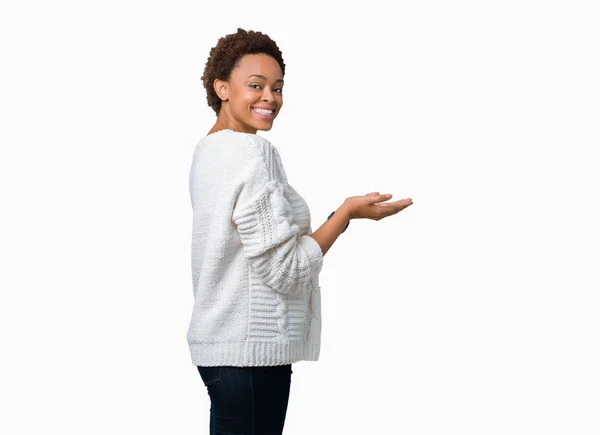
x=345 y=211
x=342 y=214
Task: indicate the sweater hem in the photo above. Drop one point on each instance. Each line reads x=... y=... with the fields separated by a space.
x=253 y=353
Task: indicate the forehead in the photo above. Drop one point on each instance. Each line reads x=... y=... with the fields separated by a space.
x=262 y=64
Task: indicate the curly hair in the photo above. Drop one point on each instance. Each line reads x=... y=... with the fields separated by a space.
x=224 y=57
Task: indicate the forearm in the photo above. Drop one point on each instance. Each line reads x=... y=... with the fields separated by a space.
x=328 y=233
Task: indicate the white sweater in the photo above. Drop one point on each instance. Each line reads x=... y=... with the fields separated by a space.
x=255 y=268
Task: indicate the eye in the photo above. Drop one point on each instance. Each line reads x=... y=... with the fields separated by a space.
x=257 y=86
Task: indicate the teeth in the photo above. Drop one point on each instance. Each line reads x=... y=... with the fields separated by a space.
x=263 y=111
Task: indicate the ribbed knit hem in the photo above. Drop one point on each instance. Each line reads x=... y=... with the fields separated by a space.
x=254 y=353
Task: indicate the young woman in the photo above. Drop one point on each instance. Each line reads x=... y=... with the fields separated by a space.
x=255 y=259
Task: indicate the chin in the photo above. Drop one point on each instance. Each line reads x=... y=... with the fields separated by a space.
x=264 y=127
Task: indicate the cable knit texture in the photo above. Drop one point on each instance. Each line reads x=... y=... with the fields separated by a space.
x=254 y=265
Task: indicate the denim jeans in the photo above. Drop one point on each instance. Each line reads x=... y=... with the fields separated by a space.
x=247 y=400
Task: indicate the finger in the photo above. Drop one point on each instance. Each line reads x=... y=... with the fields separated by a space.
x=378 y=198
x=389 y=211
x=372 y=193
x=406 y=201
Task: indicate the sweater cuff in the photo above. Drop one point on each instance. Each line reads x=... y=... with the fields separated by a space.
x=313 y=252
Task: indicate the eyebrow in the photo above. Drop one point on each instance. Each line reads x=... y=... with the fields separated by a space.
x=264 y=78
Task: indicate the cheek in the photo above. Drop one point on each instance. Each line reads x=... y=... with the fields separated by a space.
x=243 y=101
x=243 y=97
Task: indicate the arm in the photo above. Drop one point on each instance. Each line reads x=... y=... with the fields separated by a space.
x=328 y=233
x=277 y=254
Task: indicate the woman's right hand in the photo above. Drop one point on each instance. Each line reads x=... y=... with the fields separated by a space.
x=371 y=206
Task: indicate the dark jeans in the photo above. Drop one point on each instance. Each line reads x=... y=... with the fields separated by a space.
x=247 y=400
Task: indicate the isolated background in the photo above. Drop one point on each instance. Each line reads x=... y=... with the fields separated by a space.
x=475 y=311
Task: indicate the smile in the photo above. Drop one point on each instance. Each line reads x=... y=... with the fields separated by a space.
x=264 y=113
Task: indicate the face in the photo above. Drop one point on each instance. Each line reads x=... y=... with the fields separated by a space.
x=253 y=96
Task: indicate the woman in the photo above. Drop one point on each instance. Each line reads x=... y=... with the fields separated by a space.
x=255 y=259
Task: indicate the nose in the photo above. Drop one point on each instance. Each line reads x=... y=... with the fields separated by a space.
x=268 y=94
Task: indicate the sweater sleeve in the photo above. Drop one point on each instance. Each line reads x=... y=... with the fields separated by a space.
x=280 y=257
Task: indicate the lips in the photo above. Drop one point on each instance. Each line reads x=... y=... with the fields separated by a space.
x=265 y=113
x=264 y=110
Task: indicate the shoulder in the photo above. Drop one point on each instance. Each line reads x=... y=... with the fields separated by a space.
x=246 y=153
x=255 y=149
x=257 y=145
x=236 y=143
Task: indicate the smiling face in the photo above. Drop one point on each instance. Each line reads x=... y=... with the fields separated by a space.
x=252 y=97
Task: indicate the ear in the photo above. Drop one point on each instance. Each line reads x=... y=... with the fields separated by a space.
x=222 y=89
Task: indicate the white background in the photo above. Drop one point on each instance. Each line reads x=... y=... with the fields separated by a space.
x=474 y=311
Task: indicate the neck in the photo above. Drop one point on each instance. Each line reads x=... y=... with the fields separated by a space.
x=226 y=121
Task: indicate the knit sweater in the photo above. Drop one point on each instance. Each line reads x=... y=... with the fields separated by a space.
x=255 y=267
